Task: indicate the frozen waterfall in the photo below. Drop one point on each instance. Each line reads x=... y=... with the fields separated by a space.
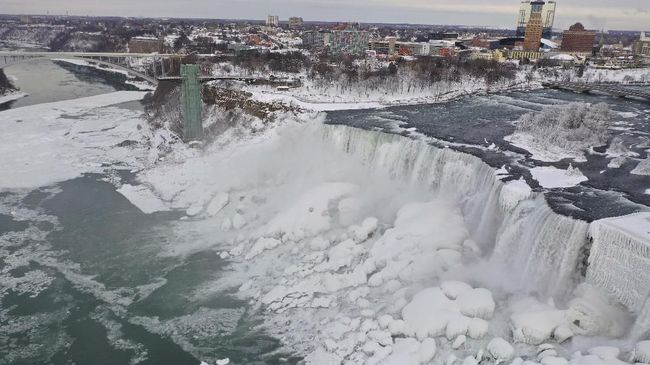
x=541 y=251
x=537 y=246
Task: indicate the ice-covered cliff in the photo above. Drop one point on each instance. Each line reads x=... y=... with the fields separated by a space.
x=620 y=264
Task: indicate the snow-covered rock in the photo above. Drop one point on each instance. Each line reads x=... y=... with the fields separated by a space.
x=500 y=349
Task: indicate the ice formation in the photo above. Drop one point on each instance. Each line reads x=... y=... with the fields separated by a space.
x=343 y=281
x=366 y=247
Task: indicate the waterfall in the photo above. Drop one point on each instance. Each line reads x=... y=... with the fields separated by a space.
x=538 y=247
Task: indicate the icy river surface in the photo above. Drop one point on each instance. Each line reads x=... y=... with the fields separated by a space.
x=326 y=241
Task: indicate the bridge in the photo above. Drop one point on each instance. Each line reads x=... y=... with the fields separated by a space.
x=147 y=66
x=637 y=91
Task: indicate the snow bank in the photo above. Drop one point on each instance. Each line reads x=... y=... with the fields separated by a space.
x=12 y=97
x=551 y=177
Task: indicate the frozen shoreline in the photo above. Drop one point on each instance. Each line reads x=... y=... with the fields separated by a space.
x=13 y=96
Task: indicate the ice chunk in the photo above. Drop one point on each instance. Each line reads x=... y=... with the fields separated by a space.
x=217 y=203
x=194 y=210
x=408 y=351
x=605 y=352
x=262 y=245
x=361 y=233
x=453 y=289
x=476 y=303
x=500 y=349
x=554 y=360
x=551 y=177
x=238 y=221
x=319 y=243
x=458 y=326
x=458 y=342
x=534 y=322
x=428 y=313
x=469 y=360
x=143 y=198
x=477 y=328
x=643 y=168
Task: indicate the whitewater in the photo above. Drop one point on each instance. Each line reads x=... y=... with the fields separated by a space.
x=348 y=245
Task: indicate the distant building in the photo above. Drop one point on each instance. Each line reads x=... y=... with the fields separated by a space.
x=390 y=46
x=642 y=46
x=386 y=46
x=529 y=55
x=296 y=22
x=146 y=45
x=272 y=21
x=25 y=19
x=349 y=41
x=548 y=17
x=315 y=39
x=534 y=28
x=578 y=40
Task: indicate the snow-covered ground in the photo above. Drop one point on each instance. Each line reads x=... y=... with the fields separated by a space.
x=49 y=143
x=334 y=96
x=550 y=177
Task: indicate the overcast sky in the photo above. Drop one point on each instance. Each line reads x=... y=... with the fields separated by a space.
x=595 y=14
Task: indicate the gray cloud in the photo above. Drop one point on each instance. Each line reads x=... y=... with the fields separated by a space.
x=596 y=14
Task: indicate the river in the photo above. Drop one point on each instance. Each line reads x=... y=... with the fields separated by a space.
x=87 y=277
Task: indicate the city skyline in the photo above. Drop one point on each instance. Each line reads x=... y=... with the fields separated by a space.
x=597 y=14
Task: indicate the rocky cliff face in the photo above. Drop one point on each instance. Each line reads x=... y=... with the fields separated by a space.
x=223 y=108
x=5 y=84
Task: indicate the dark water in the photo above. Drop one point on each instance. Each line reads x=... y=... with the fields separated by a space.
x=57 y=81
x=113 y=298
x=485 y=120
x=86 y=278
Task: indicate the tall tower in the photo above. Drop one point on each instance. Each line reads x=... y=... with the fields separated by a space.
x=522 y=17
x=535 y=27
x=548 y=17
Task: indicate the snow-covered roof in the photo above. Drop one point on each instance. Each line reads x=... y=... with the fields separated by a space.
x=563 y=57
x=549 y=43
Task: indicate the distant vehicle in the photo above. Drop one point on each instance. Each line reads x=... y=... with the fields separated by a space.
x=282 y=88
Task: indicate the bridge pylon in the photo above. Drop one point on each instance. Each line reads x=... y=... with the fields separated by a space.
x=192 y=104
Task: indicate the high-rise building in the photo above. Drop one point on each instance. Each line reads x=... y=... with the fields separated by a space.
x=548 y=17
x=350 y=41
x=295 y=22
x=578 y=40
x=272 y=21
x=534 y=27
x=642 y=46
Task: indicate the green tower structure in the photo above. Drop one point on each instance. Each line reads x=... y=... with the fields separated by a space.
x=191 y=95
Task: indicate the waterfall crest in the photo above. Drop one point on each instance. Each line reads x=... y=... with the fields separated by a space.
x=537 y=246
